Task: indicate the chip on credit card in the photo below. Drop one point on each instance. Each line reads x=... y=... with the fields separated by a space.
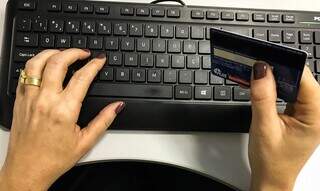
x=233 y=56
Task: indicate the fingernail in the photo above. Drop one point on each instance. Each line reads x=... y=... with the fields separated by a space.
x=120 y=107
x=259 y=70
x=87 y=50
x=101 y=56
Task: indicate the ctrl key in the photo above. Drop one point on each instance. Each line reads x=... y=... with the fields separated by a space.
x=183 y=92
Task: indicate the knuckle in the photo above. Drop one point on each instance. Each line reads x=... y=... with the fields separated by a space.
x=79 y=76
x=41 y=106
x=55 y=62
x=60 y=114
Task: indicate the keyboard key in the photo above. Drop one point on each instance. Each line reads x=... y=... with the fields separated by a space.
x=63 y=42
x=274 y=35
x=259 y=17
x=162 y=61
x=228 y=16
x=185 y=76
x=309 y=49
x=317 y=66
x=23 y=24
x=86 y=8
x=104 y=28
x=197 y=32
x=240 y=94
x=189 y=47
x=222 y=93
x=197 y=14
x=154 y=76
x=138 y=75
x=23 y=55
x=130 y=59
x=158 y=12
x=174 y=46
x=127 y=44
x=178 y=61
x=229 y=82
x=106 y=74
x=27 y=5
x=204 y=47
x=122 y=74
x=95 y=42
x=242 y=31
x=27 y=40
x=306 y=37
x=56 y=26
x=143 y=45
x=288 y=18
x=216 y=80
x=260 y=34
x=183 y=92
x=17 y=70
x=88 y=27
x=151 y=30
x=79 y=42
x=120 y=29
x=159 y=45
x=213 y=15
x=317 y=52
x=54 y=6
x=101 y=9
x=40 y=24
x=274 y=18
x=173 y=13
x=242 y=16
x=70 y=7
x=135 y=30
x=131 y=90
x=317 y=37
x=73 y=27
x=288 y=36
x=115 y=59
x=311 y=64
x=47 y=41
x=193 y=62
x=203 y=93
x=169 y=76
x=127 y=11
x=143 y=11
x=182 y=31
x=167 y=31
x=146 y=60
x=201 y=77
x=206 y=62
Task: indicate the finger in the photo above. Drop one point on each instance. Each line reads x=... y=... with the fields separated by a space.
x=57 y=67
x=99 y=125
x=34 y=68
x=80 y=82
x=263 y=94
x=309 y=88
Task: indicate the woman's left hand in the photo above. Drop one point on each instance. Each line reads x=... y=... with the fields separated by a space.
x=45 y=139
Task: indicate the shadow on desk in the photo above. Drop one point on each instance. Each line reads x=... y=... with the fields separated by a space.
x=134 y=176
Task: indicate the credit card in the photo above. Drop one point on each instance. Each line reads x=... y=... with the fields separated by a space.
x=233 y=56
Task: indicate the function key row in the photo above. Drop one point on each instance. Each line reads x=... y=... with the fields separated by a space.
x=243 y=16
x=73 y=7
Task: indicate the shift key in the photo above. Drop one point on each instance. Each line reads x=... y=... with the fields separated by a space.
x=23 y=55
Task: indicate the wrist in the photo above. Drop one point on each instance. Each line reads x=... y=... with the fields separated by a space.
x=261 y=184
x=13 y=182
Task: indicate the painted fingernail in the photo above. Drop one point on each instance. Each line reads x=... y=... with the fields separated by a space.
x=101 y=56
x=87 y=50
x=120 y=107
x=259 y=70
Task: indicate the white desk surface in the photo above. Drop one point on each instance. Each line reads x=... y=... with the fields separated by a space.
x=219 y=155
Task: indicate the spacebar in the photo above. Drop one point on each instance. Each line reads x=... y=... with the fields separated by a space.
x=131 y=90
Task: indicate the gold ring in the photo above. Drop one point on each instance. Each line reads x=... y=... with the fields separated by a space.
x=27 y=80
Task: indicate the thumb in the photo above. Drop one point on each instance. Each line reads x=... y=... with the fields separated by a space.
x=99 y=125
x=263 y=94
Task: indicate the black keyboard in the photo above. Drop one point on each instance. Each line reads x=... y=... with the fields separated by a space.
x=158 y=57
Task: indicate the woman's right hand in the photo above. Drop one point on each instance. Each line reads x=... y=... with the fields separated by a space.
x=280 y=144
